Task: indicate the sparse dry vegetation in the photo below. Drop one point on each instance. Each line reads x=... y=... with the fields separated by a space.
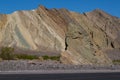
x=7 y=53
x=57 y=58
x=116 y=61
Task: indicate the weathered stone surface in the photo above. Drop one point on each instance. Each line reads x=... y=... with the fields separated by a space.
x=79 y=38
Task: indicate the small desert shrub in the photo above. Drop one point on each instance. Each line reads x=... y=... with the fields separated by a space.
x=51 y=57
x=26 y=57
x=55 y=58
x=116 y=61
x=7 y=53
x=45 y=57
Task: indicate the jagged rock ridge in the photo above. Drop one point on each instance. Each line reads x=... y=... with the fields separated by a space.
x=87 y=38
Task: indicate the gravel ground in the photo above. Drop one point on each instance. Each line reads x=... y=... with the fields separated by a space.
x=18 y=65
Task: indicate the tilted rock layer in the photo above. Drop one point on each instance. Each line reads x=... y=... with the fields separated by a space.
x=79 y=38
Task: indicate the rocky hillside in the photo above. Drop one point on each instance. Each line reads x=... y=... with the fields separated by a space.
x=88 y=38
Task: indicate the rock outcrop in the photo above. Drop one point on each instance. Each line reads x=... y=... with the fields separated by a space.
x=79 y=38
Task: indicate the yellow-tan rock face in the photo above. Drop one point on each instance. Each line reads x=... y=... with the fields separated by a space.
x=79 y=38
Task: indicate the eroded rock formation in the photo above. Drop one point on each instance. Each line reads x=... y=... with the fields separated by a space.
x=79 y=38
